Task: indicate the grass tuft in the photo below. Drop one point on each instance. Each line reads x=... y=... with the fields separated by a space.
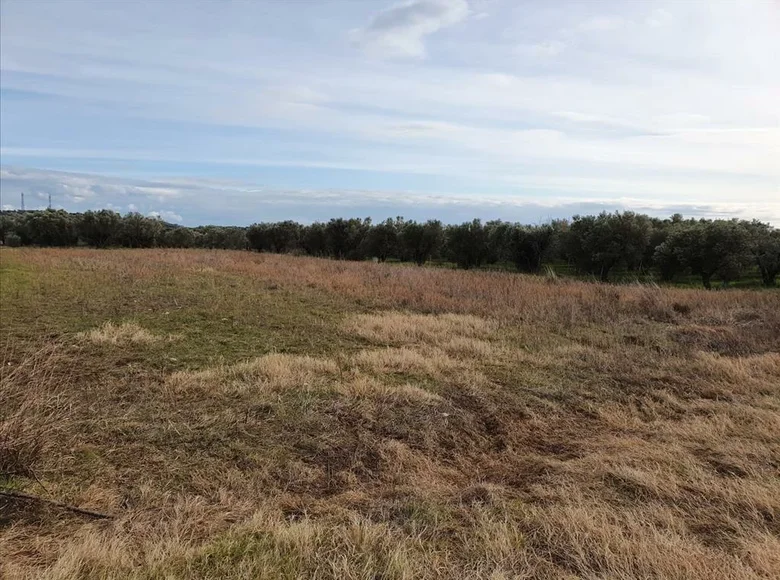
x=121 y=334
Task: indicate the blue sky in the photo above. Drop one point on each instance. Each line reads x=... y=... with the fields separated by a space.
x=233 y=112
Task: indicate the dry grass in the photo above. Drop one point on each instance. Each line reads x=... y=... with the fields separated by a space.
x=402 y=328
x=406 y=361
x=31 y=409
x=268 y=373
x=455 y=335
x=362 y=386
x=498 y=295
x=120 y=334
x=388 y=422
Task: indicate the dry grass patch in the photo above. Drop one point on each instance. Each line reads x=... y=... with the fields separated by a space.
x=756 y=372
x=430 y=362
x=120 y=334
x=363 y=386
x=284 y=372
x=32 y=409
x=266 y=546
x=473 y=348
x=429 y=343
x=762 y=552
x=398 y=328
x=589 y=539
x=267 y=373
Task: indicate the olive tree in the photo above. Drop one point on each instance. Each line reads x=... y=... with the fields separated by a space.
x=99 y=228
x=597 y=244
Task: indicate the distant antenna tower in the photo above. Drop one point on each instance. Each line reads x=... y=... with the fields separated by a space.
x=22 y=201
x=49 y=201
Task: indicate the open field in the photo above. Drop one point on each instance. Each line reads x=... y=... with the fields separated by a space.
x=249 y=415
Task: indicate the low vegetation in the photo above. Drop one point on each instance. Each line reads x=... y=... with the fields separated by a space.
x=257 y=415
x=124 y=333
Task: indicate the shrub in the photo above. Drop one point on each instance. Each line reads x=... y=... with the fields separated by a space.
x=13 y=240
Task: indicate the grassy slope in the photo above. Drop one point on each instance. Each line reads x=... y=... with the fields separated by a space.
x=268 y=416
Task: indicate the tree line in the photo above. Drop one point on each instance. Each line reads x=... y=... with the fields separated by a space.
x=598 y=245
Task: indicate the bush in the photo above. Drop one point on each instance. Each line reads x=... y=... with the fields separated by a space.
x=13 y=240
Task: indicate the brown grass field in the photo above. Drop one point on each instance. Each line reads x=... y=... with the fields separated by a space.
x=246 y=415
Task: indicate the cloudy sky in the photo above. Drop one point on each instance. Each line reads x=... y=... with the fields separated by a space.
x=233 y=112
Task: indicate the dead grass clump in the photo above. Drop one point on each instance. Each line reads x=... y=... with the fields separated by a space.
x=267 y=373
x=763 y=553
x=455 y=335
x=265 y=546
x=722 y=340
x=31 y=409
x=739 y=374
x=93 y=555
x=119 y=334
x=593 y=540
x=398 y=328
x=363 y=386
x=472 y=348
x=431 y=362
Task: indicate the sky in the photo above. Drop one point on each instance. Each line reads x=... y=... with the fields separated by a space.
x=233 y=112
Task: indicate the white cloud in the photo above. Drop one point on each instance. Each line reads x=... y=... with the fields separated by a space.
x=683 y=119
x=660 y=17
x=602 y=23
x=166 y=215
x=547 y=49
x=400 y=31
x=588 y=118
x=240 y=203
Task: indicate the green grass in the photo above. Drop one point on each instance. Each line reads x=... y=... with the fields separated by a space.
x=215 y=316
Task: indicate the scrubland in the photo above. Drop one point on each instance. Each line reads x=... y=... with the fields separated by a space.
x=244 y=415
